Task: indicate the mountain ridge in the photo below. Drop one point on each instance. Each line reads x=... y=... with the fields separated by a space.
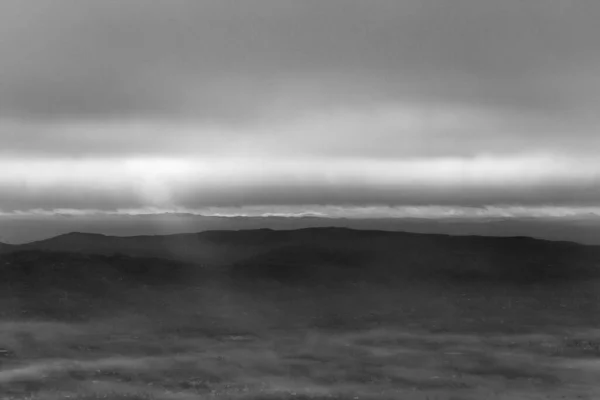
x=25 y=229
x=338 y=254
x=216 y=233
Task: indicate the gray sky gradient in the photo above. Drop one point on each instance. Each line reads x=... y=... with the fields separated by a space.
x=329 y=84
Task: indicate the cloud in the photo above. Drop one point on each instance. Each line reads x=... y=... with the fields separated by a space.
x=389 y=130
x=581 y=213
x=109 y=184
x=223 y=60
x=99 y=58
x=109 y=105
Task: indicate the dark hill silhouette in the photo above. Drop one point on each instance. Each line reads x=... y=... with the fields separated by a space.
x=207 y=248
x=74 y=286
x=382 y=256
x=4 y=248
x=303 y=263
x=40 y=270
x=337 y=254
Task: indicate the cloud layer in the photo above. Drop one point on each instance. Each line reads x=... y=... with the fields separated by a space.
x=110 y=185
x=112 y=105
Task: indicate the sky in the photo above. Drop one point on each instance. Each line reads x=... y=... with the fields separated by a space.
x=295 y=107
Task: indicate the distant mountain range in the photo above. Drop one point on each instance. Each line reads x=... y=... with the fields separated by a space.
x=333 y=254
x=27 y=228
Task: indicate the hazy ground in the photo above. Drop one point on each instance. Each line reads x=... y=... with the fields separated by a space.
x=224 y=341
x=271 y=342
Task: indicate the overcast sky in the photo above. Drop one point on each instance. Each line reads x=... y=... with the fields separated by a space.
x=303 y=104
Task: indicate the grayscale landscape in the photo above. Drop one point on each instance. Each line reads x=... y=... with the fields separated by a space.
x=299 y=199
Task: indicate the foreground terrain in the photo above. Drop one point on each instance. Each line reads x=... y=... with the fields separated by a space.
x=76 y=326
x=354 y=343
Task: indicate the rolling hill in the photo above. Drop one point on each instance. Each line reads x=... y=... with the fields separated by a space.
x=338 y=254
x=4 y=248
